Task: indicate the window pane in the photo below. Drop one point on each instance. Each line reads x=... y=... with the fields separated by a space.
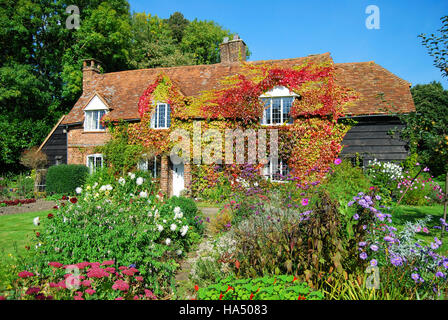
x=101 y=114
x=88 y=124
x=91 y=163
x=98 y=162
x=287 y=103
x=267 y=111
x=276 y=111
x=168 y=121
x=161 y=112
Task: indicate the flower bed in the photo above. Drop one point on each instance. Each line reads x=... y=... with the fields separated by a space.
x=16 y=202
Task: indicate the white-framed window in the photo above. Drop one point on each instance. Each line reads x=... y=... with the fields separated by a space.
x=152 y=165
x=94 y=161
x=93 y=113
x=276 y=173
x=161 y=118
x=277 y=106
x=93 y=120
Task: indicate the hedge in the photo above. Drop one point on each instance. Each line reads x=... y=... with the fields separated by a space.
x=65 y=178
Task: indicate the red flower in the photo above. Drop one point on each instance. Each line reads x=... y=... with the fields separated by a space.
x=73 y=200
x=237 y=264
x=301 y=297
x=64 y=198
x=120 y=285
x=220 y=296
x=25 y=274
x=37 y=234
x=55 y=264
x=229 y=288
x=251 y=296
x=196 y=287
x=32 y=290
x=294 y=279
x=50 y=216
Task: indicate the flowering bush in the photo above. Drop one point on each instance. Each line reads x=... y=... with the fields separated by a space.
x=405 y=262
x=282 y=287
x=420 y=191
x=83 y=281
x=126 y=221
x=384 y=175
x=16 y=202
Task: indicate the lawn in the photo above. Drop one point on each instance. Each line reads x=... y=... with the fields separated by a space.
x=16 y=231
x=403 y=214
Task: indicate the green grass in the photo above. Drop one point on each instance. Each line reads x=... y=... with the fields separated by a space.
x=16 y=231
x=206 y=204
x=402 y=214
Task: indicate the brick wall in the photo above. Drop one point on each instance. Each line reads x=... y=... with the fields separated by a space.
x=80 y=144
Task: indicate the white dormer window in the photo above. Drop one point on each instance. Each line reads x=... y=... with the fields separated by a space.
x=277 y=106
x=93 y=112
x=161 y=118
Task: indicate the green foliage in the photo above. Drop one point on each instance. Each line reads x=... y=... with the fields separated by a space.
x=65 y=178
x=177 y=24
x=118 y=154
x=437 y=46
x=426 y=129
x=202 y=39
x=190 y=210
x=281 y=287
x=123 y=221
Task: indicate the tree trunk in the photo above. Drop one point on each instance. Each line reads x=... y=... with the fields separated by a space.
x=445 y=204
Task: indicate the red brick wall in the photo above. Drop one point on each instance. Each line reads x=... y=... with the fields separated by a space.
x=80 y=144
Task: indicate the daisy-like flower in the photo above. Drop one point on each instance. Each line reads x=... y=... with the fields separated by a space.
x=160 y=228
x=168 y=241
x=178 y=252
x=305 y=201
x=183 y=230
x=121 y=181
x=143 y=194
x=173 y=227
x=139 y=181
x=36 y=221
x=363 y=256
x=78 y=190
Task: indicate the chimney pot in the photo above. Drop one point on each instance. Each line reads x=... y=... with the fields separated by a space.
x=90 y=68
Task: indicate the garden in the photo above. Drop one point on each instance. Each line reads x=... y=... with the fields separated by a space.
x=359 y=233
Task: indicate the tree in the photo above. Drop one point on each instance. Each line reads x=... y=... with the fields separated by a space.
x=437 y=46
x=202 y=39
x=152 y=44
x=177 y=23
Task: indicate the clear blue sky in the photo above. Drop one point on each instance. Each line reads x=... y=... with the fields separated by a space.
x=294 y=28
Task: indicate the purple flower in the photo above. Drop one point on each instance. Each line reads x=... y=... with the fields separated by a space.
x=445 y=264
x=415 y=276
x=440 y=274
x=396 y=261
x=362 y=244
x=373 y=262
x=363 y=256
x=374 y=247
x=350 y=203
x=356 y=216
x=388 y=238
x=377 y=197
x=337 y=161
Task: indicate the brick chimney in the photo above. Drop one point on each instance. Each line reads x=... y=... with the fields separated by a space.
x=232 y=50
x=90 y=68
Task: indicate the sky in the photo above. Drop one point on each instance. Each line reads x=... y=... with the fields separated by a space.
x=295 y=28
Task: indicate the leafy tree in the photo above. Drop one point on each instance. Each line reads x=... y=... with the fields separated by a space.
x=202 y=39
x=152 y=44
x=427 y=128
x=177 y=23
x=437 y=46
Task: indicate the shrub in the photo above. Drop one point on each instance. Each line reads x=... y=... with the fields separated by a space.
x=33 y=158
x=65 y=178
x=25 y=186
x=83 y=281
x=281 y=287
x=190 y=211
x=126 y=222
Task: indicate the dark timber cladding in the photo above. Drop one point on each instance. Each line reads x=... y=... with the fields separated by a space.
x=55 y=147
x=375 y=137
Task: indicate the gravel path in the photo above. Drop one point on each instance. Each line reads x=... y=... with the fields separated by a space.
x=39 y=205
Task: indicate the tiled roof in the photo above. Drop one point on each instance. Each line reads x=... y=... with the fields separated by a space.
x=122 y=90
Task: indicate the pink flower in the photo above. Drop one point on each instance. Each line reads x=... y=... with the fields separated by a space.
x=120 y=285
x=119 y=298
x=90 y=291
x=82 y=265
x=110 y=269
x=138 y=278
x=122 y=268
x=25 y=274
x=86 y=283
x=55 y=264
x=78 y=298
x=128 y=272
x=95 y=264
x=304 y=201
x=149 y=294
x=97 y=273
x=337 y=161
x=108 y=263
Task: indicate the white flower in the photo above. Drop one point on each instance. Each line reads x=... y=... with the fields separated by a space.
x=179 y=252
x=177 y=213
x=156 y=214
x=143 y=194
x=164 y=220
x=36 y=221
x=139 y=181
x=78 y=190
x=183 y=230
x=168 y=241
x=173 y=227
x=95 y=184
x=132 y=175
x=177 y=210
x=160 y=227
x=103 y=188
x=121 y=181
x=64 y=220
x=109 y=187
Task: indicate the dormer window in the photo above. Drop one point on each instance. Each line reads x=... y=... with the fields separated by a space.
x=93 y=112
x=161 y=118
x=277 y=106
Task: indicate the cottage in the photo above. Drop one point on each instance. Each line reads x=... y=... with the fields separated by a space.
x=117 y=94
